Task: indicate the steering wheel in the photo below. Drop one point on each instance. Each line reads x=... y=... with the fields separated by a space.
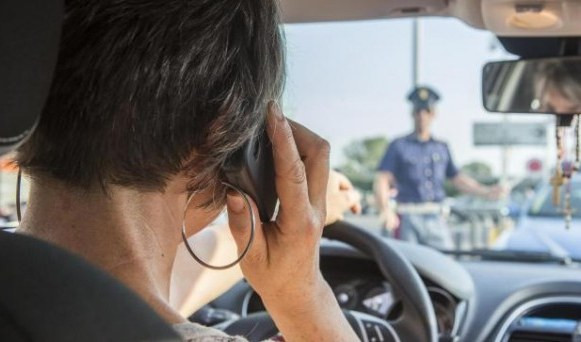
x=417 y=321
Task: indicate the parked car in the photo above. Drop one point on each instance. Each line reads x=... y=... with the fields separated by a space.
x=542 y=226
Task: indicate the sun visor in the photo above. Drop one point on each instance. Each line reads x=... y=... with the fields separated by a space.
x=304 y=11
x=515 y=18
x=29 y=39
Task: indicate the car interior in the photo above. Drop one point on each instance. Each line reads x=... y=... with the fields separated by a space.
x=389 y=290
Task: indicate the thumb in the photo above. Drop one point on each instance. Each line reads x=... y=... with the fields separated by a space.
x=240 y=221
x=354 y=201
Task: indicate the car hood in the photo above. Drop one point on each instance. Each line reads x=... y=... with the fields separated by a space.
x=545 y=234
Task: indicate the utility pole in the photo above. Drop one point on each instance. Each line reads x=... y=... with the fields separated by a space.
x=416 y=27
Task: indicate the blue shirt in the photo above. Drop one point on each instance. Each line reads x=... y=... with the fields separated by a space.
x=420 y=168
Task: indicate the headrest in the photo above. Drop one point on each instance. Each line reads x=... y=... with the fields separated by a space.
x=29 y=38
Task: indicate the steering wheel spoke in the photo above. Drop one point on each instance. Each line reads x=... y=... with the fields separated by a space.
x=370 y=328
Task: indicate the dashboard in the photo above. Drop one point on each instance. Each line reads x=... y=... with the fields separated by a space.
x=508 y=293
x=359 y=286
x=474 y=301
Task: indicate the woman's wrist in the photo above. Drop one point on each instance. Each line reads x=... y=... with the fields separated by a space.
x=298 y=299
x=314 y=317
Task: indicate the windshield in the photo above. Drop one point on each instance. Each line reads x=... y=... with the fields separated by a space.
x=468 y=183
x=400 y=101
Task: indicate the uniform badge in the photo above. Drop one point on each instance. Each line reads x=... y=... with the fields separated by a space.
x=424 y=94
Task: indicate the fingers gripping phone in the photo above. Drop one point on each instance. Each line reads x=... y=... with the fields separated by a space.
x=251 y=169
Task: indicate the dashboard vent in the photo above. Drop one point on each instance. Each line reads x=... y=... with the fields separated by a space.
x=535 y=336
x=544 y=319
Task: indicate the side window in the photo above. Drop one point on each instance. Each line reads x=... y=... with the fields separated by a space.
x=8 y=176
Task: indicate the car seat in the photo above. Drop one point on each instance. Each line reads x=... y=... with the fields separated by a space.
x=48 y=294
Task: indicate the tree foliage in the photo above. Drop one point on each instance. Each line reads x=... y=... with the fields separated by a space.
x=362 y=158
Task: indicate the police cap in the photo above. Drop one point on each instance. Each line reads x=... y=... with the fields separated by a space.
x=423 y=97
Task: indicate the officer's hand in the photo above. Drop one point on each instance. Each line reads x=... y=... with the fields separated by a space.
x=496 y=192
x=341 y=196
x=390 y=220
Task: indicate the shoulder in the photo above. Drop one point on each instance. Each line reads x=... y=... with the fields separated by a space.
x=399 y=142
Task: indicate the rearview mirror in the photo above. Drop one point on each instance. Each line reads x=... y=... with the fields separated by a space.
x=548 y=86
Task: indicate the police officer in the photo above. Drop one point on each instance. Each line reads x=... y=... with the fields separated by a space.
x=418 y=165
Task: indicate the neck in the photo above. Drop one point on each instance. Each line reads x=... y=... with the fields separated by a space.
x=130 y=234
x=423 y=135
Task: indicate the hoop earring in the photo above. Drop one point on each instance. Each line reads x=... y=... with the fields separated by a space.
x=18 y=189
x=246 y=249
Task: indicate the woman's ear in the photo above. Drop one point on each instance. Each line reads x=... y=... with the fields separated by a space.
x=197 y=216
x=192 y=209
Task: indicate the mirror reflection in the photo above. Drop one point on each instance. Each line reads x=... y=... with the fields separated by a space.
x=549 y=86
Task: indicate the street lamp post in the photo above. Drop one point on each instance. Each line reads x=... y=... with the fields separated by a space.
x=416 y=27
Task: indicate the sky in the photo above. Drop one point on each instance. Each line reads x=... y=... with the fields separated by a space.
x=348 y=81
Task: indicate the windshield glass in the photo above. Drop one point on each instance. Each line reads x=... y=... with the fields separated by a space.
x=456 y=177
x=400 y=101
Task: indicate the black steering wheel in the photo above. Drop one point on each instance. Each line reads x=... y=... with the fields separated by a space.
x=417 y=321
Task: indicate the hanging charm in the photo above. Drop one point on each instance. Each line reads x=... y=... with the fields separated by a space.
x=577 y=165
x=565 y=171
x=568 y=212
x=558 y=179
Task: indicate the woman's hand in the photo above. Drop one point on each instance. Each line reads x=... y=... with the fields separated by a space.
x=191 y=279
x=341 y=196
x=283 y=264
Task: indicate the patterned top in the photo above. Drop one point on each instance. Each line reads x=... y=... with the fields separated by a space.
x=420 y=168
x=192 y=332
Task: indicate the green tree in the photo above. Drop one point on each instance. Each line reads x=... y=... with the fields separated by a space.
x=478 y=170
x=362 y=158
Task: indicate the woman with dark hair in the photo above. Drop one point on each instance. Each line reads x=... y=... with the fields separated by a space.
x=557 y=86
x=149 y=100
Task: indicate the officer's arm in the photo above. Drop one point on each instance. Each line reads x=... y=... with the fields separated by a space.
x=468 y=185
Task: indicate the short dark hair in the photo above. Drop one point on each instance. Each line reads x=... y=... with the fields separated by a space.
x=147 y=89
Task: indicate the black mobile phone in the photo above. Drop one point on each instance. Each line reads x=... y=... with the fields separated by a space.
x=251 y=169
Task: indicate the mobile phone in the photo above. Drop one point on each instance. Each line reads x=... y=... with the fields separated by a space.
x=251 y=169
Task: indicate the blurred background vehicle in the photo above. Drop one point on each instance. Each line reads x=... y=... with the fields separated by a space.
x=541 y=227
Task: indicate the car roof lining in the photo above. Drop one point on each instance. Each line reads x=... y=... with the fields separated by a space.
x=497 y=16
x=302 y=11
